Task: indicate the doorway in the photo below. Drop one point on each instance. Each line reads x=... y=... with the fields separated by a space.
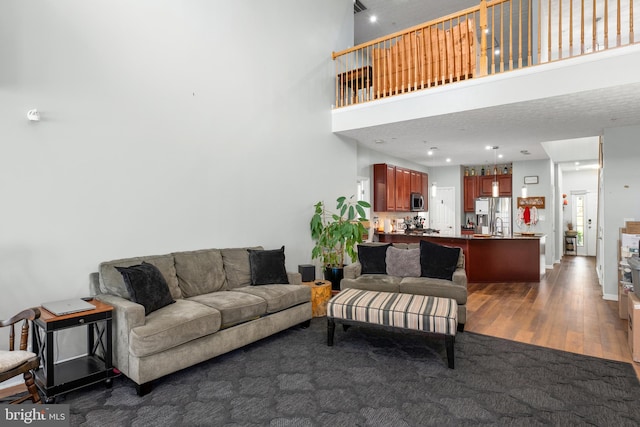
x=584 y=216
x=442 y=209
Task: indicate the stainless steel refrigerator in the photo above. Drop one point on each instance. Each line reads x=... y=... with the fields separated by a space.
x=495 y=213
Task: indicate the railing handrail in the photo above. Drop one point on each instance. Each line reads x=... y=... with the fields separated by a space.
x=417 y=27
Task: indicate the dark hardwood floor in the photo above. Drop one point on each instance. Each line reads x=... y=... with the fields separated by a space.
x=564 y=311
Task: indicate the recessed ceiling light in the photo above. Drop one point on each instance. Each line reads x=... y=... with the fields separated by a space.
x=430 y=153
x=576 y=163
x=496 y=52
x=500 y=156
x=379 y=141
x=448 y=160
x=373 y=18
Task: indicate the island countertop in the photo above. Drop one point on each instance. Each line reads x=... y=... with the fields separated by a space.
x=489 y=259
x=515 y=236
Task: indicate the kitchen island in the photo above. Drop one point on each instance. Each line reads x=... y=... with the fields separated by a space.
x=518 y=258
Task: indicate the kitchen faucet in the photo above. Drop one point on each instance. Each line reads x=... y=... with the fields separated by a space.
x=495 y=226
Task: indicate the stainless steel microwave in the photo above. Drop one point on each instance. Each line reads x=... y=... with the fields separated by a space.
x=417 y=202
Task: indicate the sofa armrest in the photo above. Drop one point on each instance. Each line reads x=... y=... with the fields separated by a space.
x=460 y=277
x=352 y=271
x=126 y=316
x=294 y=278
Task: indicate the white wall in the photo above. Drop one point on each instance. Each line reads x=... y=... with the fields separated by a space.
x=620 y=196
x=166 y=126
x=545 y=187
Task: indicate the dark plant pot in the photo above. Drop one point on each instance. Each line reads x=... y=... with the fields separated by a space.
x=334 y=275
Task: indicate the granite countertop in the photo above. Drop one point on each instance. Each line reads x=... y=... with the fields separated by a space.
x=515 y=236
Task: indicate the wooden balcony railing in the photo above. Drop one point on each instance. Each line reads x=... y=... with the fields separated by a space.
x=493 y=37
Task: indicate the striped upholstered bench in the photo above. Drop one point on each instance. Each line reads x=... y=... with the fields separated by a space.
x=430 y=315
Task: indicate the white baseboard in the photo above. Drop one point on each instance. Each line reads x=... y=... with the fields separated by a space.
x=610 y=297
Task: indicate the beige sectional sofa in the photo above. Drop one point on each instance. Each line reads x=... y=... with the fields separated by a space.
x=216 y=310
x=408 y=278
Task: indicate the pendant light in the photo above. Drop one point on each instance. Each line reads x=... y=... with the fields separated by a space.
x=495 y=189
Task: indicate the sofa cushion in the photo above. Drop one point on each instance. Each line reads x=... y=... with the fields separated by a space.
x=372 y=258
x=267 y=267
x=112 y=282
x=373 y=282
x=438 y=261
x=403 y=262
x=235 y=307
x=172 y=326
x=433 y=287
x=146 y=286
x=279 y=297
x=200 y=272
x=236 y=266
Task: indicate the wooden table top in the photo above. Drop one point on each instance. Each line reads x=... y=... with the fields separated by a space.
x=101 y=307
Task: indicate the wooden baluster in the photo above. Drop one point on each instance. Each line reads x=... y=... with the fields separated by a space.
x=483 y=38
x=549 y=31
x=560 y=29
x=570 y=27
x=582 y=27
x=631 y=22
x=539 y=31
x=606 y=24
x=520 y=34
x=511 y=34
x=493 y=38
x=593 y=31
x=618 y=29
x=530 y=35
x=501 y=45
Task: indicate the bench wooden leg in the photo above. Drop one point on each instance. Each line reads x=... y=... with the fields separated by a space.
x=449 y=340
x=331 y=327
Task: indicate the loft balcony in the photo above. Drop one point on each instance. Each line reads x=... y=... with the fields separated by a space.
x=492 y=38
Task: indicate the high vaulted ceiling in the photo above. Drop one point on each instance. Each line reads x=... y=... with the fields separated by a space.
x=572 y=124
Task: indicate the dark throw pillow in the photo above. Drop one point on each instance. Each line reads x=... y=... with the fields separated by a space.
x=373 y=259
x=146 y=286
x=267 y=267
x=438 y=261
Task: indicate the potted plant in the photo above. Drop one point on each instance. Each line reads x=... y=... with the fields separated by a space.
x=336 y=235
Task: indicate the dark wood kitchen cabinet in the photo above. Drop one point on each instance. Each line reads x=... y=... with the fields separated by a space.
x=470 y=193
x=403 y=190
x=393 y=185
x=505 y=185
x=425 y=190
x=384 y=187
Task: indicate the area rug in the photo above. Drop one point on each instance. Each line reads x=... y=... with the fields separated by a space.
x=372 y=377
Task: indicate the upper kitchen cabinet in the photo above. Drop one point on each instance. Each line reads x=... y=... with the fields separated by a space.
x=486 y=185
x=393 y=186
x=470 y=193
x=505 y=185
x=384 y=187
x=403 y=190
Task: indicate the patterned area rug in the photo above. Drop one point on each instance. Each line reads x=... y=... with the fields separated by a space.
x=374 y=377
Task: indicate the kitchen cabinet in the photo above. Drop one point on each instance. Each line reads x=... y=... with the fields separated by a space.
x=384 y=187
x=403 y=190
x=393 y=185
x=486 y=185
x=425 y=189
x=505 y=185
x=416 y=182
x=470 y=193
